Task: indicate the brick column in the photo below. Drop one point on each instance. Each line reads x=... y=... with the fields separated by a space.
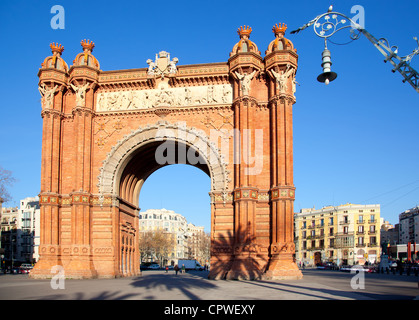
x=80 y=264
x=282 y=246
x=49 y=198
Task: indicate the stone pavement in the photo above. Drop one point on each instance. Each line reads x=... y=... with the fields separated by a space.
x=158 y=285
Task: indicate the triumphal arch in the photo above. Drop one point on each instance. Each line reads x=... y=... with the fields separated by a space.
x=105 y=132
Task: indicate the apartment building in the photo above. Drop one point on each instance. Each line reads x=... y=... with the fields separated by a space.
x=198 y=244
x=409 y=226
x=347 y=234
x=28 y=224
x=168 y=221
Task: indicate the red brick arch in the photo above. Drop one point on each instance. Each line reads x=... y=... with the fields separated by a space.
x=102 y=131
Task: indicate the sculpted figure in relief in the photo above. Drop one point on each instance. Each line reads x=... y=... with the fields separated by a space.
x=151 y=67
x=226 y=93
x=281 y=78
x=80 y=94
x=47 y=95
x=245 y=81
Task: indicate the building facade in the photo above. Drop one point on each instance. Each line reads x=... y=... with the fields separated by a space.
x=170 y=222
x=20 y=229
x=345 y=234
x=9 y=235
x=409 y=226
x=198 y=244
x=28 y=224
x=389 y=235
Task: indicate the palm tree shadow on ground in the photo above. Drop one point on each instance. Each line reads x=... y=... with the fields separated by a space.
x=237 y=260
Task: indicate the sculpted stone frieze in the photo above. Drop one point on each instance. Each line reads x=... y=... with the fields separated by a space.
x=164 y=96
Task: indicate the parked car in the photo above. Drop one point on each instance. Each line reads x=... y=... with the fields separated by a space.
x=154 y=266
x=16 y=270
x=25 y=268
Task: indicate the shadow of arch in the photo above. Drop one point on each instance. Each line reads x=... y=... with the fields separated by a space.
x=174 y=283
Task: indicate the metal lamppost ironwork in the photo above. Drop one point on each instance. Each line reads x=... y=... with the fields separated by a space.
x=329 y=23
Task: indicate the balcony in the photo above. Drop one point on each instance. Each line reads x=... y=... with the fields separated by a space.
x=372 y=244
x=343 y=234
x=344 y=222
x=372 y=231
x=360 y=221
x=372 y=221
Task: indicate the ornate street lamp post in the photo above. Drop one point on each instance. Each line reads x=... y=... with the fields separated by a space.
x=327 y=24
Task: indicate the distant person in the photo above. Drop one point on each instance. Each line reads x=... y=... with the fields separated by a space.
x=176 y=269
x=183 y=268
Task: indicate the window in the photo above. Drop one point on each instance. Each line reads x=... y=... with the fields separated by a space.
x=361 y=241
x=345 y=219
x=360 y=218
x=321 y=222
x=361 y=229
x=345 y=230
x=331 y=232
x=372 y=218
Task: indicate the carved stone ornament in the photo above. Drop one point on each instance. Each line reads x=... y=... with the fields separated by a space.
x=162 y=65
x=80 y=94
x=47 y=95
x=164 y=96
x=282 y=79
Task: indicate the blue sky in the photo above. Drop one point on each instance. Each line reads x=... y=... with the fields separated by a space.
x=355 y=140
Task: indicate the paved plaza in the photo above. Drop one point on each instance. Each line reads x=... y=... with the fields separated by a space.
x=159 y=285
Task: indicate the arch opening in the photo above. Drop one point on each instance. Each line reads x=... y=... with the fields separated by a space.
x=151 y=157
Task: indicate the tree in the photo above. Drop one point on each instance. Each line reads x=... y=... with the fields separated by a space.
x=6 y=180
x=156 y=244
x=204 y=246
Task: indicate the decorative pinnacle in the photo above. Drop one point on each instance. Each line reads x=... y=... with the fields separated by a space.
x=244 y=31
x=279 y=29
x=87 y=45
x=56 y=48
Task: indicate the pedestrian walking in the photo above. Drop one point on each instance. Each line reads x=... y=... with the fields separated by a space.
x=176 y=269
x=167 y=269
x=183 y=268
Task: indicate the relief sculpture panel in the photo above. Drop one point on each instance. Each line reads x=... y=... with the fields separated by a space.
x=164 y=96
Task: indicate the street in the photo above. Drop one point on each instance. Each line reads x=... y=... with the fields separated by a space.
x=193 y=285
